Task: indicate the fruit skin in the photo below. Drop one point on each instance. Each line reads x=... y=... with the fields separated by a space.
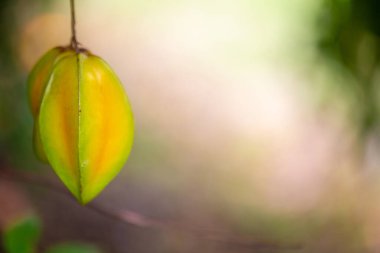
x=86 y=124
x=39 y=76
x=37 y=82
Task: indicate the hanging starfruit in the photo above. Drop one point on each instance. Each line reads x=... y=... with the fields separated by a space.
x=83 y=119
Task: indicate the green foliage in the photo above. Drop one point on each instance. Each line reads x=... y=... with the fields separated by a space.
x=15 y=119
x=349 y=36
x=73 y=248
x=22 y=236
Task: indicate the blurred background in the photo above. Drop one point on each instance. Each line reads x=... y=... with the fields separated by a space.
x=255 y=120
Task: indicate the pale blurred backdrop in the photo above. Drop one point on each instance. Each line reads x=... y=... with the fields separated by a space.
x=259 y=118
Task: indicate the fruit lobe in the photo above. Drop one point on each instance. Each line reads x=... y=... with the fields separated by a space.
x=38 y=78
x=37 y=82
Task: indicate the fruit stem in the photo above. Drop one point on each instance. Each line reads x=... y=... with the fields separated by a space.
x=74 y=43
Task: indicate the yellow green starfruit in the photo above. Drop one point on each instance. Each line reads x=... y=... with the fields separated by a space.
x=83 y=120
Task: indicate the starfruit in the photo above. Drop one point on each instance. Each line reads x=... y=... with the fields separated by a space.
x=84 y=121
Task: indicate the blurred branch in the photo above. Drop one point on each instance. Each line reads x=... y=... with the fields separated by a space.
x=130 y=217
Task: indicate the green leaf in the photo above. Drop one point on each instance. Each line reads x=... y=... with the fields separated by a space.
x=22 y=236
x=73 y=248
